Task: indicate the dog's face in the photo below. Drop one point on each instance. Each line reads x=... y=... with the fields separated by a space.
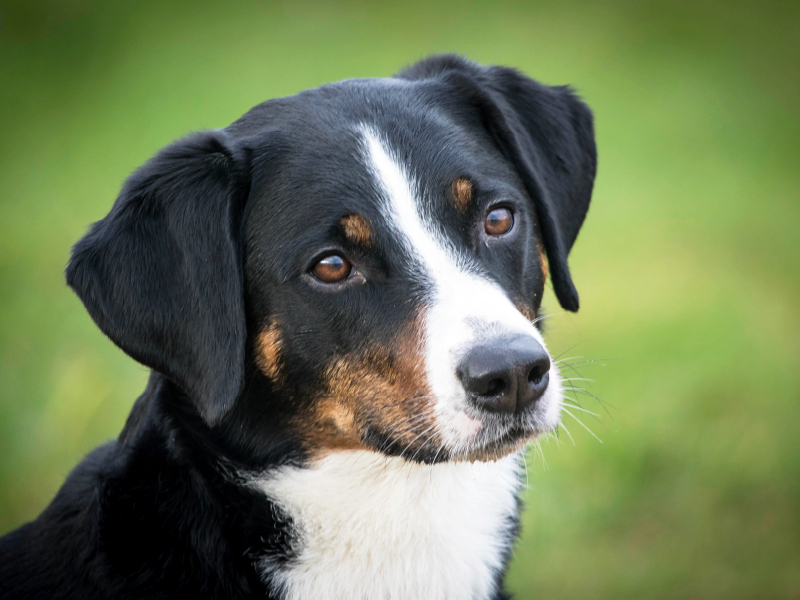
x=359 y=266
x=390 y=285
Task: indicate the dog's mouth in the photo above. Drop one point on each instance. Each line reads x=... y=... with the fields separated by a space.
x=495 y=439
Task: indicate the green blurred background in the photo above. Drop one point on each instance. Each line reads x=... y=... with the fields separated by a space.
x=687 y=266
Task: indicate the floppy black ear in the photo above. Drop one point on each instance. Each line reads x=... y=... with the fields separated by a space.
x=161 y=274
x=548 y=136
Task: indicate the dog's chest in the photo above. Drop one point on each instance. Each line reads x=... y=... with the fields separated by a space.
x=367 y=526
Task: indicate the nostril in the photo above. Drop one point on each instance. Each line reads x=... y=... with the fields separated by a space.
x=495 y=387
x=536 y=373
x=538 y=368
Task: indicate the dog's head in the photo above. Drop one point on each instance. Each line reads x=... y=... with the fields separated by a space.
x=357 y=266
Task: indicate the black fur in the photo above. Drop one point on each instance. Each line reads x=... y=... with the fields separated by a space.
x=211 y=238
x=546 y=132
x=145 y=276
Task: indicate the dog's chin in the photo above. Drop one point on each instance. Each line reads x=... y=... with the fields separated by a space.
x=510 y=442
x=492 y=452
x=502 y=435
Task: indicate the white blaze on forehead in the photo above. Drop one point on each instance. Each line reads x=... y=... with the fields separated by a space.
x=402 y=211
x=459 y=297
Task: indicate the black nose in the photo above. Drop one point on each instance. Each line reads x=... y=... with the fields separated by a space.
x=506 y=376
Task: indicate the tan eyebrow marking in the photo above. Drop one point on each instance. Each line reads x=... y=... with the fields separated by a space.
x=543 y=260
x=268 y=347
x=462 y=193
x=525 y=310
x=357 y=229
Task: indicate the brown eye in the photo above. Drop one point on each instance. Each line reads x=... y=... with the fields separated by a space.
x=499 y=221
x=332 y=268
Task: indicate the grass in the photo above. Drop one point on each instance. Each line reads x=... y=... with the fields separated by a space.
x=687 y=266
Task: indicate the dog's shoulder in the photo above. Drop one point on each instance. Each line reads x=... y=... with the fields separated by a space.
x=142 y=516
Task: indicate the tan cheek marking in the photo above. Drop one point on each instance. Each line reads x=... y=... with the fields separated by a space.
x=268 y=352
x=330 y=425
x=462 y=193
x=382 y=388
x=525 y=310
x=357 y=229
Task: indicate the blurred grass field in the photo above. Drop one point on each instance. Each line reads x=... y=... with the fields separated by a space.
x=688 y=266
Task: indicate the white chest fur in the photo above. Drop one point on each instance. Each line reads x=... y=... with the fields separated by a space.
x=374 y=527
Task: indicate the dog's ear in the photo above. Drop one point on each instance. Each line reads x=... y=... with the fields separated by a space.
x=161 y=274
x=545 y=132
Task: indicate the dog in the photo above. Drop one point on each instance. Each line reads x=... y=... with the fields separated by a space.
x=338 y=296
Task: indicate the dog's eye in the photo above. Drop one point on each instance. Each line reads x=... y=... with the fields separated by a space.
x=332 y=268
x=499 y=221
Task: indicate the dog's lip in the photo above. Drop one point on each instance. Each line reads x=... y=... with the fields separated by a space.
x=503 y=422
x=498 y=448
x=514 y=435
x=503 y=435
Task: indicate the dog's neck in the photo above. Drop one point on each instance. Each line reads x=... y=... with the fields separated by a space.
x=370 y=526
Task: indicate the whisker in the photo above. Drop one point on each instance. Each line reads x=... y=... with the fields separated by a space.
x=558 y=362
x=409 y=425
x=410 y=400
x=381 y=470
x=568 y=349
x=435 y=456
x=567 y=432
x=422 y=445
x=410 y=419
x=543 y=317
x=553 y=435
x=596 y=360
x=604 y=405
x=583 y=391
x=581 y=409
x=416 y=438
x=569 y=392
x=541 y=453
x=557 y=438
x=582 y=424
x=572 y=390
